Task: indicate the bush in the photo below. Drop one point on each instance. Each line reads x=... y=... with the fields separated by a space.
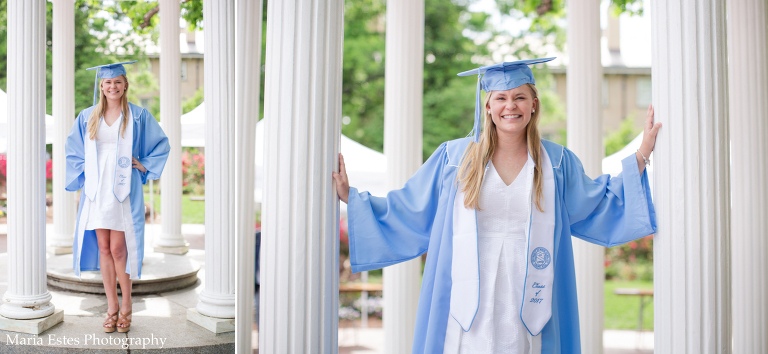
x=193 y=172
x=630 y=261
x=3 y=167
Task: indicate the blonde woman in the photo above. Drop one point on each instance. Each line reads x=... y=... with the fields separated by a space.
x=113 y=148
x=496 y=212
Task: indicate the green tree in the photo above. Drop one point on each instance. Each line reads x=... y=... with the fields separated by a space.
x=96 y=43
x=618 y=139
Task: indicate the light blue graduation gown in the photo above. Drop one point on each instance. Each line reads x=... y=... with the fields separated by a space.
x=150 y=147
x=418 y=219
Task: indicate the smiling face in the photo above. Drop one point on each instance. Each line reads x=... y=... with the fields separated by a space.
x=511 y=110
x=114 y=88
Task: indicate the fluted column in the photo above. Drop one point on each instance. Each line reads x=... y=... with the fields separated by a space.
x=691 y=250
x=218 y=297
x=64 y=203
x=748 y=86
x=170 y=240
x=585 y=138
x=248 y=67
x=300 y=215
x=27 y=295
x=403 y=147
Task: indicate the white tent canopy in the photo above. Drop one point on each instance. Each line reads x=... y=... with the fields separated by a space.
x=366 y=168
x=612 y=164
x=4 y=124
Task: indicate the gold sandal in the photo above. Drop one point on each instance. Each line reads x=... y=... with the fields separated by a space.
x=124 y=321
x=110 y=320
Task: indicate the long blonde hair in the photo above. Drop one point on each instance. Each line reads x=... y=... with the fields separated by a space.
x=477 y=155
x=101 y=108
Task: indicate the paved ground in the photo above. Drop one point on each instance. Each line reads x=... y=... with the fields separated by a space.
x=371 y=341
x=160 y=317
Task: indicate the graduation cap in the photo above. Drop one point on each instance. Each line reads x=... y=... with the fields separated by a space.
x=500 y=77
x=107 y=71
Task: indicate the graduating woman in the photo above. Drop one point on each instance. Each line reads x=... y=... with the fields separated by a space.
x=113 y=148
x=496 y=212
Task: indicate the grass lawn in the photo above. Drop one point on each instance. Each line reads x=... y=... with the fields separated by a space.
x=621 y=311
x=192 y=211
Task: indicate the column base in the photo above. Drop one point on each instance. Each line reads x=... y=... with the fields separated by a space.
x=180 y=250
x=33 y=326
x=213 y=324
x=57 y=250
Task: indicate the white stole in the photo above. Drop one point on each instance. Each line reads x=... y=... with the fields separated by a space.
x=123 y=165
x=536 y=308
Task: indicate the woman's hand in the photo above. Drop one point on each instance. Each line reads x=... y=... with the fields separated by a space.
x=649 y=139
x=342 y=182
x=138 y=165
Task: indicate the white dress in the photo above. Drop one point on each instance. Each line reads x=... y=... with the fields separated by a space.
x=106 y=211
x=501 y=244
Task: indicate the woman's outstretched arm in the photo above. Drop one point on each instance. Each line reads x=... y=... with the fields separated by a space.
x=387 y=230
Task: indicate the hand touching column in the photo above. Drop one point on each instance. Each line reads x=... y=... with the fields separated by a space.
x=649 y=139
x=342 y=182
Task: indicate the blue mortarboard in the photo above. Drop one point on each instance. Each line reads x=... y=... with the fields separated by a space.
x=107 y=71
x=500 y=77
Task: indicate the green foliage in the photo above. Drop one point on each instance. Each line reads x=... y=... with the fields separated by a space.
x=96 y=43
x=191 y=103
x=455 y=40
x=618 y=139
x=630 y=261
x=631 y=7
x=192 y=211
x=448 y=106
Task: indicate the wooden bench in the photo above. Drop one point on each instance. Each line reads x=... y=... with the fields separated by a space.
x=359 y=287
x=364 y=289
x=642 y=293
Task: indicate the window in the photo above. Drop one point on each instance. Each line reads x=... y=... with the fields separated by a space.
x=643 y=87
x=183 y=70
x=605 y=92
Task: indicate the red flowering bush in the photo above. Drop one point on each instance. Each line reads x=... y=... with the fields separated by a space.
x=343 y=237
x=3 y=166
x=49 y=170
x=630 y=261
x=193 y=172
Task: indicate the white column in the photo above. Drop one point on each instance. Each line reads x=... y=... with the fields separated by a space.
x=64 y=203
x=218 y=297
x=585 y=138
x=248 y=67
x=692 y=257
x=748 y=81
x=27 y=295
x=170 y=240
x=403 y=147
x=299 y=294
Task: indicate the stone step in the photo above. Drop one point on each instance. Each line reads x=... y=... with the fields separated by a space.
x=159 y=325
x=160 y=272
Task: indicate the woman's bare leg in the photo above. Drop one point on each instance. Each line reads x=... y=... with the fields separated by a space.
x=120 y=257
x=107 y=269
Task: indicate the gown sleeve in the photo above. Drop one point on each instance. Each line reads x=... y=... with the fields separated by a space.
x=74 y=150
x=608 y=211
x=154 y=148
x=394 y=229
